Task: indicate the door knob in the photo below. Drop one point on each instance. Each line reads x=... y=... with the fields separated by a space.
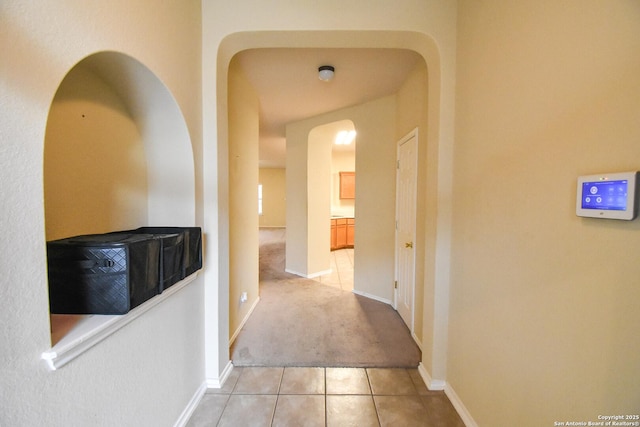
x=408 y=245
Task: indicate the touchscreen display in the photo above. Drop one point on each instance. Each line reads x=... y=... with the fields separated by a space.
x=605 y=195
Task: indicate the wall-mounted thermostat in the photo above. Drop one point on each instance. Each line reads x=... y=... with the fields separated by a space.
x=611 y=195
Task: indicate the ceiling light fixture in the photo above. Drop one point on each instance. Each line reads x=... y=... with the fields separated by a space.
x=345 y=137
x=325 y=73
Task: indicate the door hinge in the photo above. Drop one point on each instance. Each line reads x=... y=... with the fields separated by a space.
x=397 y=164
x=395 y=284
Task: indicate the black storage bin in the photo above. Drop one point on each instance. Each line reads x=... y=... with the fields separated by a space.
x=171 y=256
x=172 y=259
x=102 y=273
x=192 y=258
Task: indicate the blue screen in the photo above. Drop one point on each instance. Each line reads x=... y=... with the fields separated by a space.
x=605 y=195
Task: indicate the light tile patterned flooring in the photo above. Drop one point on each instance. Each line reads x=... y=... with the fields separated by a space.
x=341 y=276
x=257 y=396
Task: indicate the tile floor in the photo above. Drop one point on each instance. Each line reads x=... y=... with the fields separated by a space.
x=341 y=276
x=326 y=397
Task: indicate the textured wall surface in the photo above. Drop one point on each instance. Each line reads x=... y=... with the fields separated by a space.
x=274 y=193
x=544 y=303
x=146 y=373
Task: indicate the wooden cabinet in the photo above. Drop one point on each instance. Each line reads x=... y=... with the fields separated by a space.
x=347 y=185
x=334 y=234
x=342 y=233
x=351 y=232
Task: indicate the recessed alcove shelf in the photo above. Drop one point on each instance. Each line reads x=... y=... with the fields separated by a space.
x=117 y=154
x=89 y=330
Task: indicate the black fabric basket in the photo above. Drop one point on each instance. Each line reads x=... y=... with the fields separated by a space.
x=172 y=247
x=172 y=259
x=192 y=256
x=103 y=273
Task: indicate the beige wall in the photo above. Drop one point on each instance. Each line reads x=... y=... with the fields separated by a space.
x=544 y=319
x=308 y=195
x=151 y=368
x=274 y=203
x=117 y=151
x=375 y=198
x=375 y=162
x=243 y=197
x=318 y=200
x=95 y=169
x=296 y=247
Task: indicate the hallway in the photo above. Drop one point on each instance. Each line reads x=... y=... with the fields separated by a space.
x=320 y=322
x=272 y=261
x=291 y=367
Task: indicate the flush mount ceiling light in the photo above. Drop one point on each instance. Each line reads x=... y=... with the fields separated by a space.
x=345 y=137
x=325 y=73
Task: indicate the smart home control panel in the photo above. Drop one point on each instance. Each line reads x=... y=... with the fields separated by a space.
x=610 y=196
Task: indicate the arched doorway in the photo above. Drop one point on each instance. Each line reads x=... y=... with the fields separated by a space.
x=216 y=285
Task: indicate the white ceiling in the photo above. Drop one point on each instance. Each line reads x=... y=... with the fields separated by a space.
x=289 y=90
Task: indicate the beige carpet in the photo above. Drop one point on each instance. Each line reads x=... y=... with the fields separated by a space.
x=301 y=322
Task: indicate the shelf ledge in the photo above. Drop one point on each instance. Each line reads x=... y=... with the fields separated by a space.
x=92 y=329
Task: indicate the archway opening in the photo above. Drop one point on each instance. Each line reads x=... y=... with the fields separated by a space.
x=218 y=365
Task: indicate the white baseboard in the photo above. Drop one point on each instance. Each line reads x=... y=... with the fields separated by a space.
x=219 y=382
x=191 y=406
x=237 y=332
x=373 y=297
x=318 y=274
x=417 y=340
x=197 y=397
x=308 y=276
x=432 y=384
x=428 y=381
x=467 y=419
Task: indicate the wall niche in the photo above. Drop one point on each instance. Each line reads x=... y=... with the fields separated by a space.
x=117 y=155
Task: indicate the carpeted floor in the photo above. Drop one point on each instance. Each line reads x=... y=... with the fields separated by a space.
x=301 y=322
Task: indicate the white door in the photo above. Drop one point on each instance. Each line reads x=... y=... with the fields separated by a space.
x=406 y=193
